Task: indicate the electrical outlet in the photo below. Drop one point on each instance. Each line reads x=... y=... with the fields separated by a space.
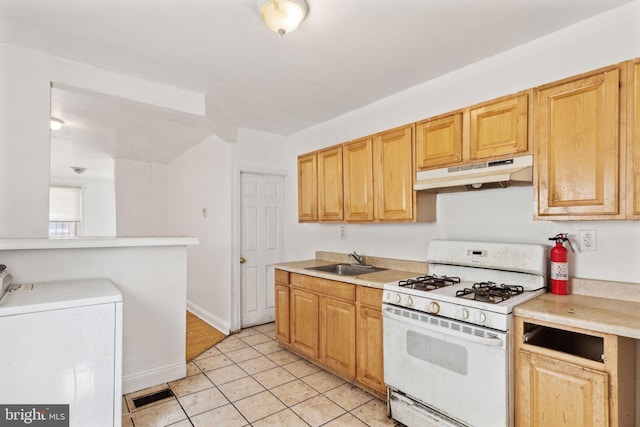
x=343 y=232
x=588 y=240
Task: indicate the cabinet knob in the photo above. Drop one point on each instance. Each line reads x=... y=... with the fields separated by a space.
x=242 y=260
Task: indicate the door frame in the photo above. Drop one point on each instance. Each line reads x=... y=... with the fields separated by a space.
x=236 y=242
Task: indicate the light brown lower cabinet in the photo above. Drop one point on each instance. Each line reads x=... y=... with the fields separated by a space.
x=566 y=376
x=338 y=335
x=369 y=364
x=557 y=393
x=282 y=305
x=304 y=318
x=334 y=324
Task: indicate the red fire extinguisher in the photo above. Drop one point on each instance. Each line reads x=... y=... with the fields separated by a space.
x=559 y=265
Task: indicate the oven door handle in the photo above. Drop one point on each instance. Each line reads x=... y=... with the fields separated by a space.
x=496 y=341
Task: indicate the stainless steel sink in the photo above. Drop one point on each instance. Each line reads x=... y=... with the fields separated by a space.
x=347 y=269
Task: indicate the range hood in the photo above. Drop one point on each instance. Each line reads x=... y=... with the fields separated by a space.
x=476 y=176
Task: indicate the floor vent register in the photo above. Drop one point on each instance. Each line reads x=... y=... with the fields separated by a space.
x=153 y=397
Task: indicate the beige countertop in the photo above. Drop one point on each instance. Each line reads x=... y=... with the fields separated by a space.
x=585 y=308
x=396 y=269
x=612 y=316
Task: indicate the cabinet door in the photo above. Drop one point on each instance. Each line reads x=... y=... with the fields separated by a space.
x=330 y=185
x=499 y=128
x=308 y=188
x=557 y=393
x=393 y=174
x=633 y=153
x=370 y=366
x=304 y=322
x=578 y=147
x=337 y=335
x=439 y=142
x=358 y=180
x=282 y=312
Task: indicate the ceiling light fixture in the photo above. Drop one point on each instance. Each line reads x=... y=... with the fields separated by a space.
x=282 y=16
x=56 y=123
x=78 y=169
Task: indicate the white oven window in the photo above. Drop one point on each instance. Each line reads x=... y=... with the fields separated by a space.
x=452 y=357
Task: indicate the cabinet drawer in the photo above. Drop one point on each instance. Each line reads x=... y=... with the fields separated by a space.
x=325 y=287
x=538 y=338
x=370 y=296
x=282 y=277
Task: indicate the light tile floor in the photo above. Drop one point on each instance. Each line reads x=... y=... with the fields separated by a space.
x=249 y=380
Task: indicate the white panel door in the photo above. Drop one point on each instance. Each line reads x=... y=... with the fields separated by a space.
x=262 y=236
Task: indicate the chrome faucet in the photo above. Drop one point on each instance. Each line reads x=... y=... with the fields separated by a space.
x=357 y=257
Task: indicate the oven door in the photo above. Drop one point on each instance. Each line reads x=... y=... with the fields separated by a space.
x=458 y=369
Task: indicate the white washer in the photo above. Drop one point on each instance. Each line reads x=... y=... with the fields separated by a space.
x=61 y=343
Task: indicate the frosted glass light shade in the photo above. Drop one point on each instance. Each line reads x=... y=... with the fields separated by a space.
x=282 y=16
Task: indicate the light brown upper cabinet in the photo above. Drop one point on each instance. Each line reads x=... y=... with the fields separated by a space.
x=393 y=175
x=330 y=184
x=633 y=138
x=580 y=150
x=378 y=180
x=489 y=131
x=358 y=180
x=320 y=185
x=499 y=128
x=308 y=187
x=439 y=141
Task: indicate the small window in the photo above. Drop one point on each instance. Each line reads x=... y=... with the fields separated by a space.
x=65 y=211
x=63 y=229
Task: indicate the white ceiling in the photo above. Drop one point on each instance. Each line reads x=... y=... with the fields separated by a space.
x=344 y=55
x=99 y=128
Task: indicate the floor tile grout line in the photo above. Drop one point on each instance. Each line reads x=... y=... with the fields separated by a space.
x=278 y=365
x=233 y=404
x=182 y=407
x=319 y=393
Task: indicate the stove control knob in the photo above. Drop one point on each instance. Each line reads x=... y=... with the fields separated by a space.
x=398 y=298
x=409 y=301
x=482 y=317
x=434 y=307
x=464 y=313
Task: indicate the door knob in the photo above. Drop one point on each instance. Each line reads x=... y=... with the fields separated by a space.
x=242 y=260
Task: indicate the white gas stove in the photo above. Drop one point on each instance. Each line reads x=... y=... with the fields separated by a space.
x=475 y=282
x=447 y=335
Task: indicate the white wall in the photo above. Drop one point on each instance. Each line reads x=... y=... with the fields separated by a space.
x=152 y=280
x=203 y=178
x=200 y=179
x=502 y=215
x=141 y=198
x=25 y=78
x=99 y=207
x=151 y=199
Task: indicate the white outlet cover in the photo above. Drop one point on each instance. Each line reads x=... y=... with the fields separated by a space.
x=588 y=240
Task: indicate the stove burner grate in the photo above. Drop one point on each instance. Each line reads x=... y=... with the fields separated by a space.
x=428 y=282
x=490 y=292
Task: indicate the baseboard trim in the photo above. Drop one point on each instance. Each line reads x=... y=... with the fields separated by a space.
x=208 y=317
x=153 y=377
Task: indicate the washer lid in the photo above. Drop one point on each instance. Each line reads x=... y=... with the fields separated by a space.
x=34 y=297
